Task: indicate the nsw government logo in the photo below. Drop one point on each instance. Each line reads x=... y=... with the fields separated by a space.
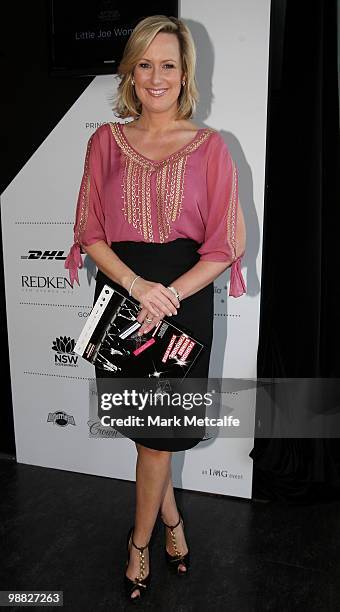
x=60 y=418
x=65 y=355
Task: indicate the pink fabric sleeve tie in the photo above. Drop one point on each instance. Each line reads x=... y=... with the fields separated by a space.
x=237 y=284
x=73 y=262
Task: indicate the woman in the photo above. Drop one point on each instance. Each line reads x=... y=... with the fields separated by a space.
x=159 y=214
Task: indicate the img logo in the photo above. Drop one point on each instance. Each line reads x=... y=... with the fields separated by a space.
x=215 y=472
x=65 y=355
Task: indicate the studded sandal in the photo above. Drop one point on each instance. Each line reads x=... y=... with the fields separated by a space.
x=174 y=561
x=140 y=582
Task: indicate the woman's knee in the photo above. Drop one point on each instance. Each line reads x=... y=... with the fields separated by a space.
x=153 y=452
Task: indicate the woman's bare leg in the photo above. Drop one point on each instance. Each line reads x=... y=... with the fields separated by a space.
x=152 y=473
x=169 y=513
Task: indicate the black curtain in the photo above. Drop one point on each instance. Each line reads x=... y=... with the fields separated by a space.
x=32 y=104
x=300 y=291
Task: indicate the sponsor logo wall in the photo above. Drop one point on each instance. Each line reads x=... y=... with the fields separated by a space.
x=53 y=389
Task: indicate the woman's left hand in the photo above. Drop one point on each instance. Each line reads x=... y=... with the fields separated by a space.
x=146 y=326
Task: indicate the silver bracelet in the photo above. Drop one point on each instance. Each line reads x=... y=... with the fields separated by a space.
x=174 y=291
x=134 y=280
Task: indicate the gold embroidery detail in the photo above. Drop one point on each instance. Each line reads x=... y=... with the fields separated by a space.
x=84 y=195
x=231 y=215
x=136 y=184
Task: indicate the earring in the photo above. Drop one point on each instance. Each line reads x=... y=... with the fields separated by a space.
x=183 y=82
x=133 y=82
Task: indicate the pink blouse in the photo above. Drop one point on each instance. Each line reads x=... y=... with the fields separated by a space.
x=192 y=193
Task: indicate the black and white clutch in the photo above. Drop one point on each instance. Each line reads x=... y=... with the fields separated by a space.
x=109 y=341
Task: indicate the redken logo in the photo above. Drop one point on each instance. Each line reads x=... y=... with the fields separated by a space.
x=45 y=282
x=65 y=355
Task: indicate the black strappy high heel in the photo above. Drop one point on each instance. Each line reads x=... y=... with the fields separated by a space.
x=139 y=582
x=174 y=561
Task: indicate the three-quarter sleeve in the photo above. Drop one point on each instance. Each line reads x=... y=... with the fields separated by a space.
x=225 y=231
x=89 y=226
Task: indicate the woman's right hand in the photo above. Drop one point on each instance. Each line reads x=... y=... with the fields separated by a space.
x=155 y=297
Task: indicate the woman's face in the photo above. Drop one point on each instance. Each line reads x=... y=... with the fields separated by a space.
x=158 y=74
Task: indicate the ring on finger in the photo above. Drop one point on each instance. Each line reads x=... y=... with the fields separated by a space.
x=148 y=320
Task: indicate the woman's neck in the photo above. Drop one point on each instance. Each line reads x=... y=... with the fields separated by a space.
x=156 y=124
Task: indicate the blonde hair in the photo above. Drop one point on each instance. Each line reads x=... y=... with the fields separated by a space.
x=126 y=102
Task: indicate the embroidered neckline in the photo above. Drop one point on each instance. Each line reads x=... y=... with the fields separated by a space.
x=121 y=139
x=137 y=174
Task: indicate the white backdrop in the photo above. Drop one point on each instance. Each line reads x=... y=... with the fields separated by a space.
x=53 y=414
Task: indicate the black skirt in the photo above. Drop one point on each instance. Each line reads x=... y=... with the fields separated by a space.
x=163 y=263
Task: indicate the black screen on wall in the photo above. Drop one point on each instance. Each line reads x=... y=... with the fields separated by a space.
x=88 y=38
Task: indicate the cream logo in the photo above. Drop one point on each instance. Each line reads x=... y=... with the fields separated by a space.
x=60 y=418
x=97 y=430
x=64 y=347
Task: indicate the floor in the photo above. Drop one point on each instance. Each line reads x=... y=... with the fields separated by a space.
x=67 y=531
